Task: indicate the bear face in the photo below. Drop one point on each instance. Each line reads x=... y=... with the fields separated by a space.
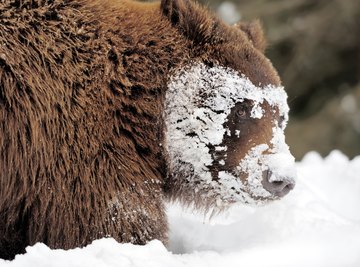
x=225 y=139
x=225 y=115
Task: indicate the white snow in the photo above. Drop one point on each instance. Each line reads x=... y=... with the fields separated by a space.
x=317 y=224
x=228 y=12
x=348 y=104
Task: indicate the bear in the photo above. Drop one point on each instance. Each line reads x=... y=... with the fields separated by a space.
x=110 y=108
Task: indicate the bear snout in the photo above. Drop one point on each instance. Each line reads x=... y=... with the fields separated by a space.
x=277 y=186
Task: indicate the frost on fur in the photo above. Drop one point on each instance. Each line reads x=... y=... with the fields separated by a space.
x=198 y=103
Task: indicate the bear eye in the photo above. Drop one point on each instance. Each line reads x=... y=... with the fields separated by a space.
x=243 y=110
x=241 y=113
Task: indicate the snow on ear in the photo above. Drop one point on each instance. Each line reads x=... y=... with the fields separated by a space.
x=194 y=21
x=254 y=32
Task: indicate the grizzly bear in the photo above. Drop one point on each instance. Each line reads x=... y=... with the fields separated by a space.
x=110 y=107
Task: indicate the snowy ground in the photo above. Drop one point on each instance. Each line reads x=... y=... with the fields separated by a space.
x=318 y=224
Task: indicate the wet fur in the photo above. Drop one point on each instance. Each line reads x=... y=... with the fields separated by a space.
x=82 y=85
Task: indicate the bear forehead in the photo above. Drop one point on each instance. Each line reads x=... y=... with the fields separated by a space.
x=246 y=60
x=237 y=52
x=220 y=88
x=200 y=98
x=239 y=47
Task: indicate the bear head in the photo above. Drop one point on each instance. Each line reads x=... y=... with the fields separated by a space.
x=225 y=115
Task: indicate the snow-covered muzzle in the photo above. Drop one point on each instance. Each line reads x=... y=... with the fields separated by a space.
x=225 y=138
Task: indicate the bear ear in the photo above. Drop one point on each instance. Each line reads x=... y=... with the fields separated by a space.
x=193 y=21
x=254 y=32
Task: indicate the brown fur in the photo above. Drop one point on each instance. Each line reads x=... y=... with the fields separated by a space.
x=82 y=84
x=255 y=33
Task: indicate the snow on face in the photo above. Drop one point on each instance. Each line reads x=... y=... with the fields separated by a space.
x=198 y=102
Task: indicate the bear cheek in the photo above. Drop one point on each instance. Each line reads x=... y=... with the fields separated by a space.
x=243 y=136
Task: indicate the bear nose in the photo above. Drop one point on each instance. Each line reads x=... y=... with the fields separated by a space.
x=278 y=186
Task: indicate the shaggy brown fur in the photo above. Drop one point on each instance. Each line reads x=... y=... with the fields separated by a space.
x=82 y=84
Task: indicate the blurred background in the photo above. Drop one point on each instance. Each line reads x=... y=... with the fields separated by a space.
x=315 y=46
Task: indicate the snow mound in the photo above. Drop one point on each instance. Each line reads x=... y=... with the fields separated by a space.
x=318 y=224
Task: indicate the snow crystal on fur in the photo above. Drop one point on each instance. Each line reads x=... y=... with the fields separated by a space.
x=198 y=101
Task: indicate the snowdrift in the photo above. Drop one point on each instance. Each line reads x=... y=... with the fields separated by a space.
x=318 y=224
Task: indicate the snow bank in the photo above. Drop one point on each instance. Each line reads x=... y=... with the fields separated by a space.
x=318 y=224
